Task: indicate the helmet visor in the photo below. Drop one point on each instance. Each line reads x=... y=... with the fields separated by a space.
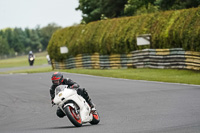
x=56 y=82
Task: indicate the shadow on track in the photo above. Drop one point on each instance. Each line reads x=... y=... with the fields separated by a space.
x=62 y=127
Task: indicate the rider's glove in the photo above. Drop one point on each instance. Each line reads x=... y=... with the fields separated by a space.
x=52 y=102
x=74 y=86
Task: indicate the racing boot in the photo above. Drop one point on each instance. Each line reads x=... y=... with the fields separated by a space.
x=92 y=106
x=88 y=100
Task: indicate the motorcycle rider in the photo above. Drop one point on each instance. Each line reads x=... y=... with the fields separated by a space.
x=31 y=55
x=57 y=79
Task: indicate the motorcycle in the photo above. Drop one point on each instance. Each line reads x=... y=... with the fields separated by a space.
x=31 y=60
x=74 y=106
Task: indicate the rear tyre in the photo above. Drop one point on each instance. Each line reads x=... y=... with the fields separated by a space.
x=73 y=116
x=96 y=118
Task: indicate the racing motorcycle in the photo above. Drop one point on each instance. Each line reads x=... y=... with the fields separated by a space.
x=74 y=106
x=31 y=60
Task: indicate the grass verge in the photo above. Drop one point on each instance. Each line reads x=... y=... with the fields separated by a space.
x=36 y=70
x=23 y=60
x=162 y=75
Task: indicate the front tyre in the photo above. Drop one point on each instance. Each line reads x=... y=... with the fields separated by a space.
x=96 y=118
x=73 y=116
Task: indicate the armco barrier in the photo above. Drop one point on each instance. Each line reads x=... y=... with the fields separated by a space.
x=159 y=58
x=95 y=61
x=146 y=58
x=192 y=60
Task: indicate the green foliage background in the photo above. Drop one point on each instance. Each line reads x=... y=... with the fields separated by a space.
x=170 y=29
x=18 y=41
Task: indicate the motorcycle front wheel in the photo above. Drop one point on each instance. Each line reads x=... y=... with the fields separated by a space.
x=96 y=118
x=73 y=116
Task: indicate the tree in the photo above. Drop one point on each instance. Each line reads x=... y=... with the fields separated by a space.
x=18 y=40
x=177 y=4
x=90 y=10
x=113 y=8
x=4 y=47
x=8 y=34
x=22 y=41
x=15 y=38
x=93 y=10
x=33 y=40
x=134 y=7
x=46 y=32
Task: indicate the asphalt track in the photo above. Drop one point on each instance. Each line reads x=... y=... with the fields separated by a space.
x=125 y=106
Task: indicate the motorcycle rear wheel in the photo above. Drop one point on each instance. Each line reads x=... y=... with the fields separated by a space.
x=73 y=116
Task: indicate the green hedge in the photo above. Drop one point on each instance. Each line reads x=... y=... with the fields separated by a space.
x=171 y=29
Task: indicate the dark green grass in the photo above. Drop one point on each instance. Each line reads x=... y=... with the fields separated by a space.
x=163 y=75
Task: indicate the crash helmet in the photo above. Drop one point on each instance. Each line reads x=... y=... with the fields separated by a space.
x=30 y=52
x=57 y=78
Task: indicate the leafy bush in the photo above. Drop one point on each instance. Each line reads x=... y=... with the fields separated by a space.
x=171 y=29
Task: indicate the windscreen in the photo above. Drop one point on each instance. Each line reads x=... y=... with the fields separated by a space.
x=60 y=88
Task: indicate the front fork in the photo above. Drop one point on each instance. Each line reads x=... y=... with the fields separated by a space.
x=71 y=105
